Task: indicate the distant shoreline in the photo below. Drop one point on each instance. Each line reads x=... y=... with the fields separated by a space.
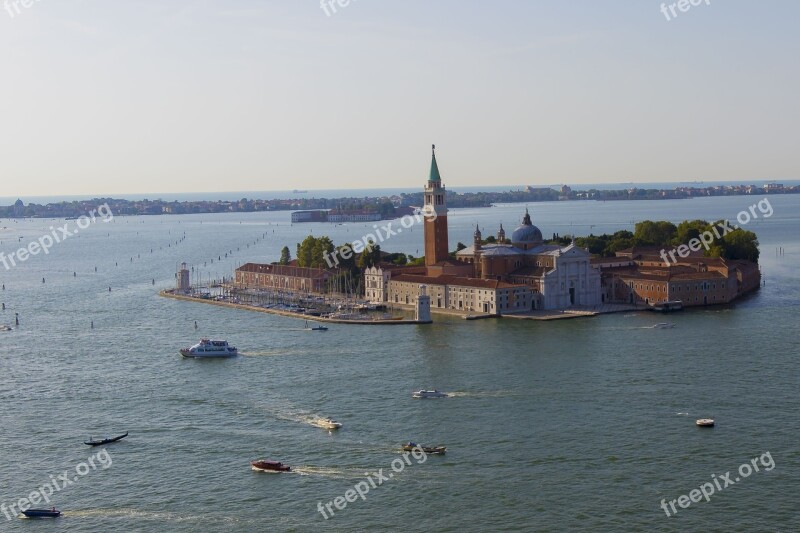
x=383 y=205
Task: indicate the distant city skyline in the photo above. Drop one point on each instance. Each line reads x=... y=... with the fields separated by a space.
x=139 y=98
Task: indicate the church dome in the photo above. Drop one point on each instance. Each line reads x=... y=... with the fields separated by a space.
x=527 y=232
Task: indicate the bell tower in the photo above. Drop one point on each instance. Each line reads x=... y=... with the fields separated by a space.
x=435 y=211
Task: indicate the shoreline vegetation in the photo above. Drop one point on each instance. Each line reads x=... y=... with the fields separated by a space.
x=387 y=207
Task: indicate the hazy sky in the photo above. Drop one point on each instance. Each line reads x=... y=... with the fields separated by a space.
x=135 y=96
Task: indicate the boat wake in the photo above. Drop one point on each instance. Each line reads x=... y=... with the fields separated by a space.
x=485 y=394
x=327 y=472
x=145 y=515
x=271 y=353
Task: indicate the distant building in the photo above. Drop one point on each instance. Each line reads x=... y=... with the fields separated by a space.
x=284 y=277
x=354 y=217
x=19 y=208
x=309 y=216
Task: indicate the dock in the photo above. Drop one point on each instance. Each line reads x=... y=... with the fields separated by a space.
x=171 y=293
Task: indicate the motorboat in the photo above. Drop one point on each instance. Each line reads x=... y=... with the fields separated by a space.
x=318 y=327
x=107 y=440
x=434 y=450
x=705 y=422
x=42 y=513
x=664 y=325
x=428 y=394
x=328 y=423
x=210 y=348
x=3 y=327
x=270 y=466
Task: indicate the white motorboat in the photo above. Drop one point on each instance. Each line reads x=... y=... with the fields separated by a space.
x=664 y=325
x=210 y=348
x=328 y=423
x=705 y=422
x=428 y=394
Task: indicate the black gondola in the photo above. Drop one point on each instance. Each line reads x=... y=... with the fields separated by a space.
x=104 y=441
x=42 y=513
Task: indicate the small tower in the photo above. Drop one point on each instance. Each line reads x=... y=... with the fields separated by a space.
x=183 y=279
x=501 y=234
x=476 y=238
x=423 y=305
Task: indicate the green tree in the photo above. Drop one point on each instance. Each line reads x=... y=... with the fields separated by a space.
x=688 y=230
x=649 y=233
x=312 y=252
x=741 y=244
x=286 y=257
x=371 y=255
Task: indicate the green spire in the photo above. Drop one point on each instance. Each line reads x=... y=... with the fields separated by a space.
x=434 y=167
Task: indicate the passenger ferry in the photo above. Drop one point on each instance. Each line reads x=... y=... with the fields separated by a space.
x=210 y=348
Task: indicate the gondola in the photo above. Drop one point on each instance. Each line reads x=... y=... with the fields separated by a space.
x=42 y=513
x=435 y=450
x=104 y=441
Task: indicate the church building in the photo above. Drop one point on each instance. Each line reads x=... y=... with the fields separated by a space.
x=521 y=275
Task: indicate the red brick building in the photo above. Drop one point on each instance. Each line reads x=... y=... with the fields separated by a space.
x=286 y=277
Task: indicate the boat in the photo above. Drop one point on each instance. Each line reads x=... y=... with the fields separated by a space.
x=329 y=423
x=210 y=348
x=667 y=307
x=318 y=327
x=107 y=440
x=429 y=394
x=664 y=325
x=434 y=450
x=270 y=466
x=3 y=327
x=705 y=422
x=42 y=513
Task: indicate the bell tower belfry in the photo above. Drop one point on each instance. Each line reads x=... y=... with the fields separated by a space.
x=436 y=246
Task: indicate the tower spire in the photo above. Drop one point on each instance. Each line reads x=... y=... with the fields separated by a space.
x=434 y=175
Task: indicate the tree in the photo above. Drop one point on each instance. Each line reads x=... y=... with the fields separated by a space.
x=286 y=257
x=741 y=244
x=688 y=230
x=371 y=255
x=649 y=233
x=312 y=252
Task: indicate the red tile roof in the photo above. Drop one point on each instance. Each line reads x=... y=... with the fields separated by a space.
x=456 y=280
x=284 y=270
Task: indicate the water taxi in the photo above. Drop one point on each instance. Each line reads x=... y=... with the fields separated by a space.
x=209 y=348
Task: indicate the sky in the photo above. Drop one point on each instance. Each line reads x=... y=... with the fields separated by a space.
x=149 y=96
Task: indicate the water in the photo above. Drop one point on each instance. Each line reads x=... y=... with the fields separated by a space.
x=574 y=425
